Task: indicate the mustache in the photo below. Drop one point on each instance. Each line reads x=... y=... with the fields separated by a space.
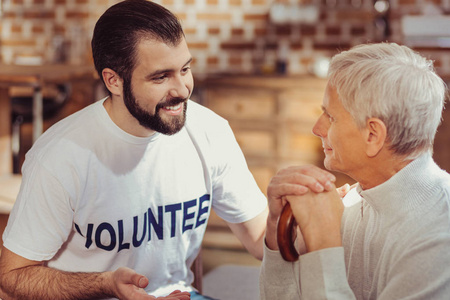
x=171 y=102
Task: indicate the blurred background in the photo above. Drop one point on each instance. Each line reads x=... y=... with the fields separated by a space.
x=236 y=36
x=261 y=64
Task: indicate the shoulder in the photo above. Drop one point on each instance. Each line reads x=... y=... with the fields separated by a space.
x=65 y=136
x=73 y=124
x=201 y=121
x=199 y=115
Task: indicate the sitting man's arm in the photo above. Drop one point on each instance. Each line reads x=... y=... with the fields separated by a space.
x=281 y=279
x=21 y=278
x=251 y=233
x=290 y=181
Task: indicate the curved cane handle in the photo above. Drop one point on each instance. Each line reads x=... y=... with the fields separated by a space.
x=285 y=231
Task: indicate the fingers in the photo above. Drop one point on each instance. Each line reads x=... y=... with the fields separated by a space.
x=178 y=292
x=279 y=189
x=181 y=295
x=298 y=180
x=138 y=280
x=143 y=282
x=176 y=295
x=316 y=179
x=130 y=285
x=343 y=190
x=293 y=181
x=318 y=216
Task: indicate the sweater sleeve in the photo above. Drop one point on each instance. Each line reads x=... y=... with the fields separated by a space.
x=323 y=275
x=317 y=275
x=278 y=278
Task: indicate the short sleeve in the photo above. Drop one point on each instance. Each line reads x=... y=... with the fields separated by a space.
x=237 y=197
x=41 y=219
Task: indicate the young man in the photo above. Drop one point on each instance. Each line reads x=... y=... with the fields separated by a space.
x=115 y=198
x=381 y=109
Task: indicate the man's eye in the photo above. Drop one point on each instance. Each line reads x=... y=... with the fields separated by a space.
x=185 y=70
x=330 y=118
x=160 y=78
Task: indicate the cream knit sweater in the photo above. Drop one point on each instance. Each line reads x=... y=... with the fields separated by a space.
x=396 y=245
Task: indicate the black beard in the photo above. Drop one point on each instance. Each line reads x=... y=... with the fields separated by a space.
x=154 y=122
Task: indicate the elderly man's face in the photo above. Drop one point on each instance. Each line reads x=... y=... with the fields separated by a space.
x=342 y=140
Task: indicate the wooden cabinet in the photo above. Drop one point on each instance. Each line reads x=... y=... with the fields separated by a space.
x=272 y=119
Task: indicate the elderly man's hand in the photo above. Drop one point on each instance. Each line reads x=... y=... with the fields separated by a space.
x=296 y=181
x=292 y=181
x=318 y=216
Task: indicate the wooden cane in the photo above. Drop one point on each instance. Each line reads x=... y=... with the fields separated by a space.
x=285 y=233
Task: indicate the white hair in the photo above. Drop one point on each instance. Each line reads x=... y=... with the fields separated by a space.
x=396 y=85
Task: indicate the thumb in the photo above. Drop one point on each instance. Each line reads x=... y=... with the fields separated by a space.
x=343 y=190
x=139 y=280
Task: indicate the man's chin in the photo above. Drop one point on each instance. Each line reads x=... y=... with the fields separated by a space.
x=327 y=163
x=332 y=166
x=173 y=126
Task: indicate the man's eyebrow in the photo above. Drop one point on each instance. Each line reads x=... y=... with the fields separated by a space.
x=188 y=62
x=325 y=111
x=163 y=71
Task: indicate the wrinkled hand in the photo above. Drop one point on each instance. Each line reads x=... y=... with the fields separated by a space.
x=296 y=180
x=318 y=215
x=301 y=245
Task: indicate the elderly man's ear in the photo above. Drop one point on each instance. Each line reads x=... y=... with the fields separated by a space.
x=376 y=133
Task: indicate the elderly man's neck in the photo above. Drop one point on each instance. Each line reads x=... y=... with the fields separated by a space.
x=380 y=169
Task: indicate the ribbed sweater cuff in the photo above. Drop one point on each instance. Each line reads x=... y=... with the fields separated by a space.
x=276 y=269
x=322 y=273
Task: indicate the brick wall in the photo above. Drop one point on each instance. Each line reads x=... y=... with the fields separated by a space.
x=223 y=35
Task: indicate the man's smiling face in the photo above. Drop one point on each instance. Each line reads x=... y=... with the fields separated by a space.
x=160 y=86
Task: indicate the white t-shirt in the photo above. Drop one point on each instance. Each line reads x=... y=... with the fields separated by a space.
x=95 y=198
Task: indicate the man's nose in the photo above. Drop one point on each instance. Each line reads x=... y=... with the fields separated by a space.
x=180 y=87
x=319 y=129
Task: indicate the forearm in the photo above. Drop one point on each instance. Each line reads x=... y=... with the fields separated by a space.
x=258 y=247
x=271 y=234
x=251 y=233
x=39 y=282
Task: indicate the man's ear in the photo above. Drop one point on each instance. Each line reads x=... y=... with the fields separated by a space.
x=112 y=81
x=376 y=136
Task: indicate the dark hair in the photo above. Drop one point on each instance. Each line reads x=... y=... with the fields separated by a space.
x=122 y=26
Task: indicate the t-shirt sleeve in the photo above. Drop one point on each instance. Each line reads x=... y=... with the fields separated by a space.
x=41 y=219
x=237 y=197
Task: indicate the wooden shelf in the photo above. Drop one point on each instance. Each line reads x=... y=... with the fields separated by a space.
x=271 y=117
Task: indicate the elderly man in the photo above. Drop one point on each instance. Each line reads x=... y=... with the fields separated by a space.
x=382 y=106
